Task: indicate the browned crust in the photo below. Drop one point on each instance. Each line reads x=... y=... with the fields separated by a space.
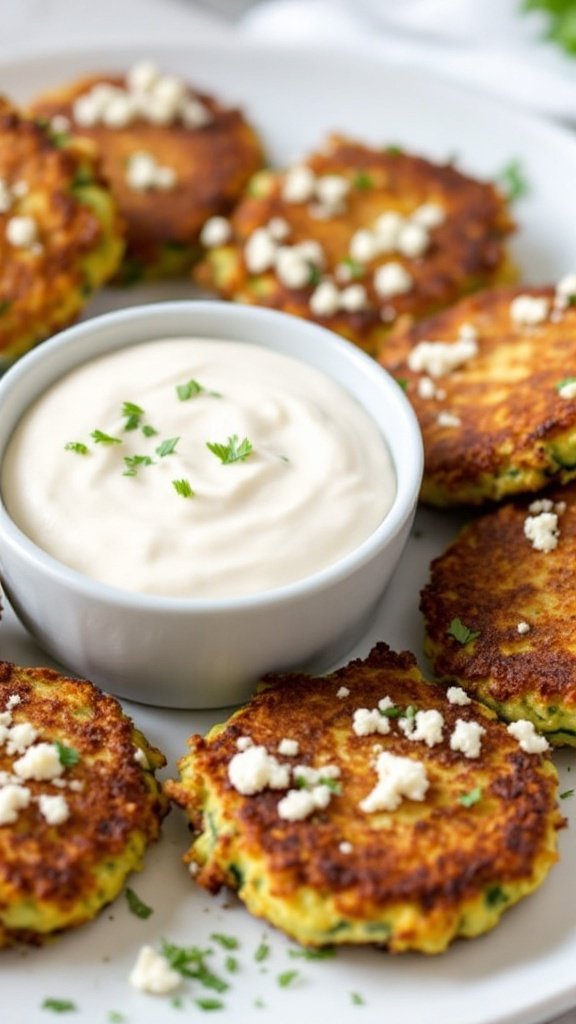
x=492 y=578
x=212 y=165
x=438 y=853
x=506 y=397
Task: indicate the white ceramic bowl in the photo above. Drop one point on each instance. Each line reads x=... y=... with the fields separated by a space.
x=176 y=652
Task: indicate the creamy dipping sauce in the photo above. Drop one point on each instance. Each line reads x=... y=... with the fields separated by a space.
x=297 y=474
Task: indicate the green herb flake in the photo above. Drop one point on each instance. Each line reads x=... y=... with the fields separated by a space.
x=189 y=961
x=357 y=999
x=262 y=953
x=231 y=964
x=495 y=896
x=183 y=488
x=78 y=447
x=463 y=634
x=115 y=1017
x=287 y=978
x=566 y=794
x=5 y=305
x=363 y=180
x=402 y=382
x=259 y=1003
x=565 y=382
x=101 y=438
x=209 y=1004
x=353 y=267
x=67 y=756
x=136 y=905
x=132 y=414
x=410 y=712
x=149 y=431
x=393 y=712
x=332 y=784
x=394 y=150
x=226 y=941
x=513 y=181
x=234 y=451
x=561 y=21
x=470 y=798
x=190 y=390
x=82 y=177
x=132 y=463
x=167 y=447
x=59 y=1005
x=314 y=275
x=321 y=953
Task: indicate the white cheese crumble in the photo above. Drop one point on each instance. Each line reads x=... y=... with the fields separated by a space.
x=40 y=762
x=437 y=358
x=467 y=332
x=20 y=737
x=299 y=184
x=288 y=747
x=325 y=299
x=13 y=701
x=523 y=627
x=542 y=531
x=528 y=739
x=426 y=388
x=448 y=419
x=428 y=726
x=13 y=798
x=429 y=215
x=305 y=774
x=252 y=770
x=342 y=692
x=529 y=310
x=364 y=246
x=413 y=240
x=467 y=738
x=22 y=232
x=301 y=803
x=54 y=809
x=215 y=231
x=143 y=173
x=366 y=722
x=456 y=695
x=398 y=777
x=345 y=847
x=243 y=742
x=149 y=95
x=568 y=390
x=392 y=279
x=152 y=973
x=565 y=291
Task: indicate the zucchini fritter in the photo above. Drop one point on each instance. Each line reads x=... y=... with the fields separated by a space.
x=173 y=157
x=79 y=802
x=489 y=381
x=354 y=237
x=60 y=234
x=355 y=809
x=509 y=579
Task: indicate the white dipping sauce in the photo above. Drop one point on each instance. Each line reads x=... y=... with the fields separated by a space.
x=317 y=482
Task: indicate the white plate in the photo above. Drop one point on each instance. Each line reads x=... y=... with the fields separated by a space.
x=523 y=972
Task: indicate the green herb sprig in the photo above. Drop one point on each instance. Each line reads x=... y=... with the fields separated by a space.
x=234 y=451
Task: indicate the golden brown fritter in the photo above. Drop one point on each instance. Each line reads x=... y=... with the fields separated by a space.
x=517 y=601
x=78 y=829
x=443 y=236
x=60 y=234
x=211 y=164
x=410 y=877
x=501 y=422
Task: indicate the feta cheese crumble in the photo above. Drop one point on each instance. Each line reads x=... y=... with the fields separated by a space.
x=53 y=809
x=528 y=739
x=40 y=762
x=342 y=692
x=153 y=974
x=254 y=769
x=288 y=747
x=392 y=279
x=542 y=531
x=529 y=310
x=456 y=695
x=428 y=726
x=467 y=738
x=523 y=627
x=301 y=803
x=437 y=358
x=448 y=419
x=398 y=777
x=22 y=232
x=13 y=798
x=144 y=173
x=367 y=721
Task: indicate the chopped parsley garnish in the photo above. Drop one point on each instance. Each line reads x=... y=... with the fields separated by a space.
x=148 y=431
x=226 y=941
x=315 y=274
x=59 y=1005
x=67 y=756
x=287 y=978
x=561 y=28
x=115 y=1017
x=78 y=447
x=463 y=634
x=565 y=382
x=566 y=794
x=167 y=447
x=82 y=177
x=393 y=712
x=494 y=896
x=189 y=961
x=101 y=438
x=354 y=268
x=191 y=389
x=471 y=798
x=137 y=906
x=321 y=953
x=402 y=382
x=332 y=784
x=363 y=180
x=410 y=711
x=133 y=414
x=357 y=999
x=231 y=964
x=234 y=451
x=513 y=181
x=262 y=952
x=132 y=462
x=209 y=1004
x=183 y=488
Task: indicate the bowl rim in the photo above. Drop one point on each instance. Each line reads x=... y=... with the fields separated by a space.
x=408 y=475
